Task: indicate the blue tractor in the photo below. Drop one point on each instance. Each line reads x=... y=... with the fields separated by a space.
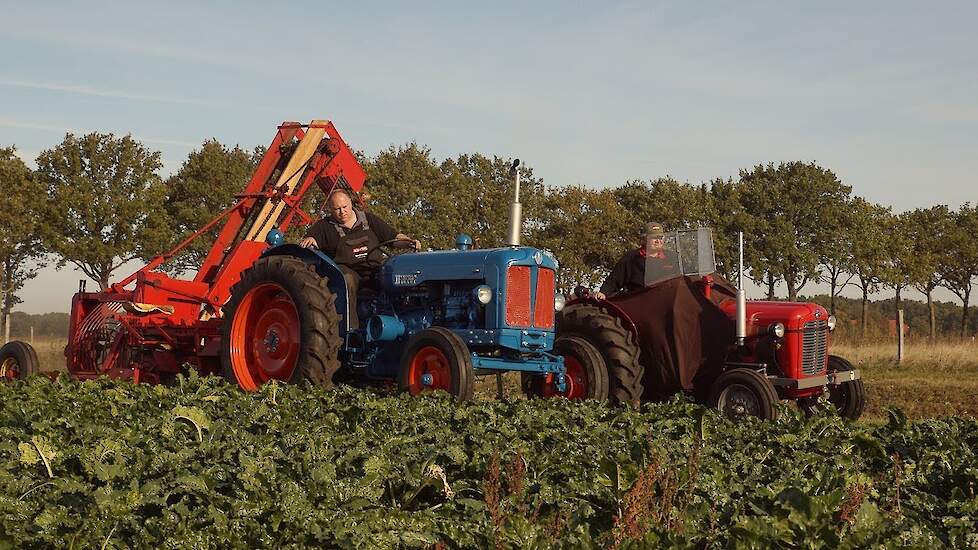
x=434 y=321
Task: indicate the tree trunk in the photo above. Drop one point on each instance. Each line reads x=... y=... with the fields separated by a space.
x=792 y=289
x=5 y=300
x=932 y=310
x=964 y=313
x=770 y=286
x=865 y=312
x=832 y=297
x=898 y=303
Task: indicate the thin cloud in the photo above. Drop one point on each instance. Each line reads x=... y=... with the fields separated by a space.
x=6 y=123
x=87 y=90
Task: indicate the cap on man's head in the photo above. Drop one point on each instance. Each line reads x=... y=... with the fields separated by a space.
x=654 y=228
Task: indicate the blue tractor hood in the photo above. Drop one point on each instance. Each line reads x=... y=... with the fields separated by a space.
x=407 y=270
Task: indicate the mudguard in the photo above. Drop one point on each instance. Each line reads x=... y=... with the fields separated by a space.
x=325 y=267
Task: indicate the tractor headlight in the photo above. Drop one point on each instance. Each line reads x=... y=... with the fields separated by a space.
x=559 y=301
x=831 y=322
x=776 y=330
x=483 y=294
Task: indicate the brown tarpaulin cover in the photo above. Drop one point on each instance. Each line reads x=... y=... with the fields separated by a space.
x=683 y=336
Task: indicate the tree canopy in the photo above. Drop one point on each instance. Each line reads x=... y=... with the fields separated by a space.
x=101 y=202
x=202 y=188
x=21 y=250
x=105 y=203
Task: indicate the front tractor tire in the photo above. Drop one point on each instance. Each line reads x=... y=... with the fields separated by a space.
x=616 y=344
x=739 y=393
x=18 y=360
x=849 y=398
x=280 y=324
x=586 y=373
x=437 y=359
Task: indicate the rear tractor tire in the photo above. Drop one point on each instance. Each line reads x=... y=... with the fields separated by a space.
x=848 y=397
x=437 y=359
x=586 y=376
x=18 y=360
x=280 y=324
x=617 y=346
x=739 y=393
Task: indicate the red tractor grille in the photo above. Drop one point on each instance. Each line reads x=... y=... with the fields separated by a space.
x=543 y=311
x=518 y=294
x=814 y=345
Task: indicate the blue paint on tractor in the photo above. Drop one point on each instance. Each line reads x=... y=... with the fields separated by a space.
x=275 y=237
x=438 y=288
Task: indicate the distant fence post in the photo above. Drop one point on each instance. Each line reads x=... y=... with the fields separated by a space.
x=900 y=347
x=32 y=335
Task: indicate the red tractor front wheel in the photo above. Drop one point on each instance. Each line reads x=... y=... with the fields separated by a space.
x=586 y=376
x=739 y=393
x=848 y=397
x=280 y=324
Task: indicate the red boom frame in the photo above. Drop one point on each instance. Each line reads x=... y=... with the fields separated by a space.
x=149 y=330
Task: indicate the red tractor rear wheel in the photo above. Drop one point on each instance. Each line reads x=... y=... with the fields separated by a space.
x=739 y=393
x=18 y=360
x=437 y=359
x=616 y=344
x=586 y=376
x=280 y=324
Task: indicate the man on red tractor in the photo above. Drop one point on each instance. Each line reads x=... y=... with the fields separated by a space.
x=352 y=237
x=649 y=263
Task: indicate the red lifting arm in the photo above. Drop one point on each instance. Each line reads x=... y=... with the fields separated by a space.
x=300 y=155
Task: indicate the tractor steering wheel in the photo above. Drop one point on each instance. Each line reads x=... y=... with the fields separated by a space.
x=403 y=245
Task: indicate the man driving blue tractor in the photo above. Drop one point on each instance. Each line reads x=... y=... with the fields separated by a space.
x=352 y=237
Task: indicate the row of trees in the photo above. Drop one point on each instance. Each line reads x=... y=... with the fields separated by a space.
x=97 y=201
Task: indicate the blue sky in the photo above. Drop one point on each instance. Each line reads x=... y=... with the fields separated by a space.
x=884 y=93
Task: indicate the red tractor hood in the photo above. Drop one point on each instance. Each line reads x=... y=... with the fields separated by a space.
x=761 y=313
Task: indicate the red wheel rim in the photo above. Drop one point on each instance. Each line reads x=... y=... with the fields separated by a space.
x=9 y=369
x=574 y=377
x=265 y=337
x=429 y=370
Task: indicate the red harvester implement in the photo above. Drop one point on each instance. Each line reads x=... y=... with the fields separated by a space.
x=146 y=326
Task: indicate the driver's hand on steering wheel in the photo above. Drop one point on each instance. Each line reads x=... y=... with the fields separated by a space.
x=309 y=242
x=417 y=245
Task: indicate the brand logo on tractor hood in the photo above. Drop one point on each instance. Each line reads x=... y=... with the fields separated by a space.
x=405 y=279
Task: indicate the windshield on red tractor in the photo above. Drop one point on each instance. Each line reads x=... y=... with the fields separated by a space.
x=677 y=253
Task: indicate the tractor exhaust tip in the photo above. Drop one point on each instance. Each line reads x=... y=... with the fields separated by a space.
x=741 y=295
x=515 y=209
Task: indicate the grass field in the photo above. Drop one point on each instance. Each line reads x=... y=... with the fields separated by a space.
x=933 y=380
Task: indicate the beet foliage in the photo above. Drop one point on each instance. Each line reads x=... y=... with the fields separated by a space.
x=203 y=464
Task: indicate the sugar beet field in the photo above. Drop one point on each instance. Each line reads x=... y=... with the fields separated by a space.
x=203 y=465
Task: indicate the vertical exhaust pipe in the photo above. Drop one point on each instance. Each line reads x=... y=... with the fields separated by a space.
x=515 y=209
x=741 y=295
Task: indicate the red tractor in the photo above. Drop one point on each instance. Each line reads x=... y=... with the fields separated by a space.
x=690 y=331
